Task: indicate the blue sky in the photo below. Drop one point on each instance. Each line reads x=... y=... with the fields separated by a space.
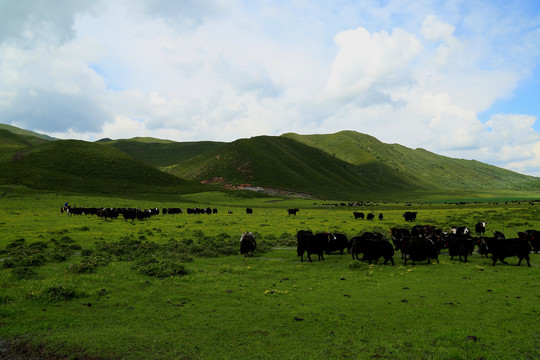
x=459 y=78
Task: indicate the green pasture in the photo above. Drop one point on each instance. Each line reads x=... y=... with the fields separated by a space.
x=175 y=287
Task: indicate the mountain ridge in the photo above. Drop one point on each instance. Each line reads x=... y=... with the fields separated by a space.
x=345 y=164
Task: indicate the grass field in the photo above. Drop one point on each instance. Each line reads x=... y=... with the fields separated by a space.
x=78 y=286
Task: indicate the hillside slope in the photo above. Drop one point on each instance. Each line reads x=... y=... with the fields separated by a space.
x=418 y=165
x=161 y=153
x=19 y=131
x=343 y=165
x=8 y=138
x=282 y=163
x=79 y=166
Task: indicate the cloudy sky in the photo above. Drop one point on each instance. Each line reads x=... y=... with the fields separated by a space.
x=457 y=77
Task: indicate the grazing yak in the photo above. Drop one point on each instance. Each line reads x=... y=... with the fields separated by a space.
x=461 y=246
x=370 y=216
x=293 y=211
x=410 y=215
x=247 y=244
x=480 y=228
x=373 y=246
x=311 y=244
x=337 y=242
x=533 y=237
x=171 y=211
x=249 y=211
x=358 y=215
x=398 y=236
x=418 y=249
x=501 y=248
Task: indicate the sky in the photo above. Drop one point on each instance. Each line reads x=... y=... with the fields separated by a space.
x=459 y=78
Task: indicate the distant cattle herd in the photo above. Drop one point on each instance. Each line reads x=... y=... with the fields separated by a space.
x=421 y=242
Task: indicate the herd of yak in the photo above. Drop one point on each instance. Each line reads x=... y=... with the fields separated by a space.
x=422 y=242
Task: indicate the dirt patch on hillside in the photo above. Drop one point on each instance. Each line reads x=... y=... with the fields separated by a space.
x=276 y=192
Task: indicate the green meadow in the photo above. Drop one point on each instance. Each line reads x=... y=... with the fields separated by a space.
x=175 y=286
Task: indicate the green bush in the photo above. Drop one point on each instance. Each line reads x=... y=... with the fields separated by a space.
x=160 y=268
x=59 y=293
x=38 y=245
x=57 y=257
x=84 y=267
x=66 y=240
x=23 y=273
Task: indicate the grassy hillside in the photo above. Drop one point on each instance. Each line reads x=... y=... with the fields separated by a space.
x=286 y=164
x=18 y=131
x=160 y=153
x=419 y=166
x=78 y=166
x=344 y=165
x=8 y=138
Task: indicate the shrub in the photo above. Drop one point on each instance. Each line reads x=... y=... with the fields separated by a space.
x=87 y=252
x=23 y=273
x=84 y=267
x=63 y=250
x=160 y=268
x=66 y=240
x=59 y=293
x=15 y=243
x=57 y=257
x=22 y=261
x=41 y=245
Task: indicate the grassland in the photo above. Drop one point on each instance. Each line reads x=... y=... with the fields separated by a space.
x=92 y=288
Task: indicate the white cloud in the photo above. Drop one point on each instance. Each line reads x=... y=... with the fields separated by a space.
x=28 y=21
x=366 y=59
x=224 y=70
x=435 y=30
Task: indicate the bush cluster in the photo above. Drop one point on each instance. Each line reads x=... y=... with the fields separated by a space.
x=60 y=293
x=149 y=258
x=160 y=267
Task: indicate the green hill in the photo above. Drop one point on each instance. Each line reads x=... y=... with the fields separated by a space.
x=283 y=163
x=79 y=166
x=419 y=166
x=7 y=138
x=18 y=131
x=345 y=165
x=161 y=153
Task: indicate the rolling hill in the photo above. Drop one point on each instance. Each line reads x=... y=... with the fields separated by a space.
x=84 y=167
x=19 y=131
x=418 y=165
x=160 y=153
x=344 y=165
x=285 y=164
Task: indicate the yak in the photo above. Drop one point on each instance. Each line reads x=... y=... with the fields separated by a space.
x=293 y=211
x=372 y=247
x=311 y=244
x=247 y=244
